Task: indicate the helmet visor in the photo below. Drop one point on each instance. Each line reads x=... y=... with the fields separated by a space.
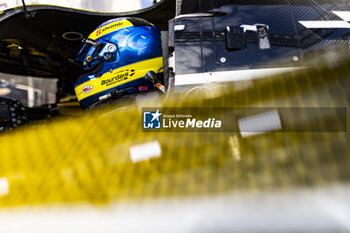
x=88 y=54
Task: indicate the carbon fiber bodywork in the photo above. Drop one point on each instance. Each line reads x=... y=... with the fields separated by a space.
x=202 y=33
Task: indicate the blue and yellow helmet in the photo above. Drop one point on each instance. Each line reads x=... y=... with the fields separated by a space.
x=117 y=56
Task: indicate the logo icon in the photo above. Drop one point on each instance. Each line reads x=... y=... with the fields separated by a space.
x=98 y=32
x=87 y=89
x=152 y=120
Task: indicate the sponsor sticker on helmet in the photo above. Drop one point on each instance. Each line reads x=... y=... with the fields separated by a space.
x=110 y=28
x=119 y=77
x=98 y=32
x=87 y=89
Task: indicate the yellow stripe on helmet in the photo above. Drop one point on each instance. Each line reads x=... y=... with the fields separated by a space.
x=118 y=77
x=109 y=28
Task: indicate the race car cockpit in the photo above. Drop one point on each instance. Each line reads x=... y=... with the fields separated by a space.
x=196 y=43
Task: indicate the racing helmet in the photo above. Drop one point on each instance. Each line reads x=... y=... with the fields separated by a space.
x=117 y=55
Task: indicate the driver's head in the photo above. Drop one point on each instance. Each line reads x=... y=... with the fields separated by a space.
x=124 y=46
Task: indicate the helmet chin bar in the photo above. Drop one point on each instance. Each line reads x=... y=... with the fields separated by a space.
x=150 y=76
x=93 y=71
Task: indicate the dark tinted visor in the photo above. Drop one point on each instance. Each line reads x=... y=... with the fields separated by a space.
x=90 y=48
